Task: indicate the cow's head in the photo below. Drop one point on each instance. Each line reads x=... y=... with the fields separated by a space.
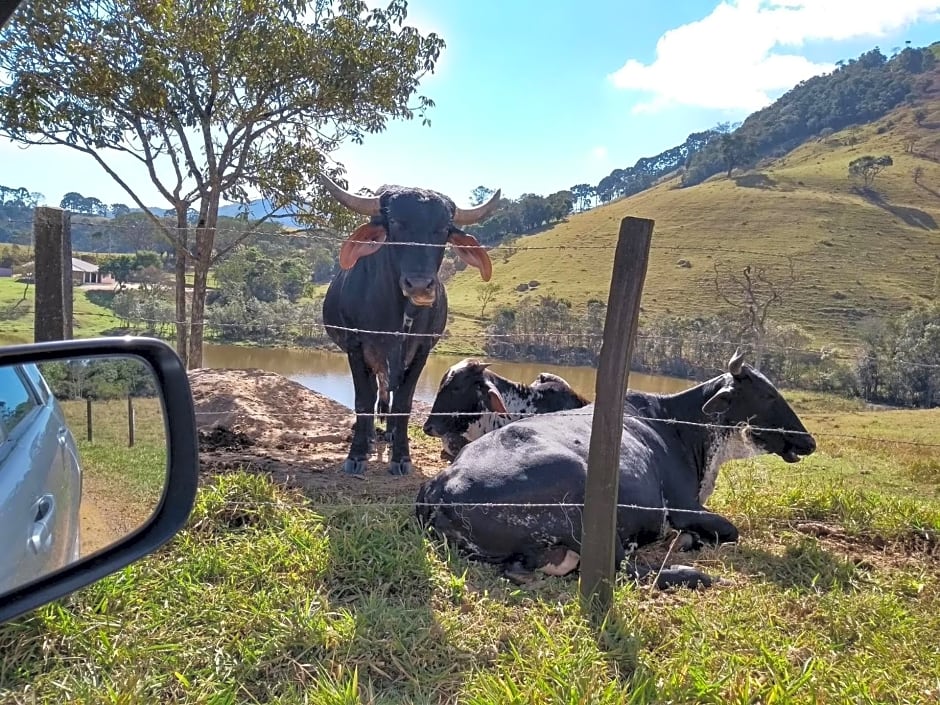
x=466 y=389
x=748 y=397
x=413 y=215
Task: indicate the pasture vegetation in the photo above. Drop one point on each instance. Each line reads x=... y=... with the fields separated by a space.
x=855 y=255
x=16 y=314
x=271 y=596
x=129 y=474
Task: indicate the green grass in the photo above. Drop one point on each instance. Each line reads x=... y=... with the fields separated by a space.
x=853 y=258
x=211 y=281
x=16 y=316
x=271 y=596
x=139 y=470
x=121 y=484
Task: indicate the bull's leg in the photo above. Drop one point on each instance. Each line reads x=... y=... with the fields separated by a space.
x=364 y=429
x=400 y=463
x=705 y=526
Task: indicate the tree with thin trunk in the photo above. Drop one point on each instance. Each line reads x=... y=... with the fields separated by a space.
x=486 y=292
x=218 y=100
x=753 y=294
x=868 y=167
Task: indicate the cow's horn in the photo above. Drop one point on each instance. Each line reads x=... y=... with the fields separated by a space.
x=469 y=216
x=364 y=205
x=736 y=363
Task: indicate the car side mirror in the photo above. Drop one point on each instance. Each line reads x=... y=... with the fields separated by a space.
x=98 y=462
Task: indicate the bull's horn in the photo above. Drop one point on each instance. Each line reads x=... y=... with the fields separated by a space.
x=363 y=205
x=736 y=363
x=469 y=216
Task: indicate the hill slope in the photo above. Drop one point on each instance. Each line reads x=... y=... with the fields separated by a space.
x=854 y=256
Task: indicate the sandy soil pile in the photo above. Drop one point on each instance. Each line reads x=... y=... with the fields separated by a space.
x=264 y=422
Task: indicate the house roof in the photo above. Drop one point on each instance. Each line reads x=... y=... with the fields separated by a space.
x=80 y=265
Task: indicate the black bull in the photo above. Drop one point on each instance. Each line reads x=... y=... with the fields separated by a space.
x=667 y=473
x=393 y=290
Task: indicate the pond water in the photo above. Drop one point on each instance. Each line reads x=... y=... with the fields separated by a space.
x=326 y=371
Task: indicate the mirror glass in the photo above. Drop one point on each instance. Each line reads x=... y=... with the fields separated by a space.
x=83 y=460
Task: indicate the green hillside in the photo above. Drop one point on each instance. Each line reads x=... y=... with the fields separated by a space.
x=854 y=256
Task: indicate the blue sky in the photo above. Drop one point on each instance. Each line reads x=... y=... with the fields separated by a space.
x=536 y=96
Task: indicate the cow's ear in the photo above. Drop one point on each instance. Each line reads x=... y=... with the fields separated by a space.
x=719 y=402
x=364 y=240
x=496 y=400
x=471 y=251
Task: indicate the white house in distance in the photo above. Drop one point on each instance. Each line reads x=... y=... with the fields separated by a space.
x=82 y=273
x=85 y=272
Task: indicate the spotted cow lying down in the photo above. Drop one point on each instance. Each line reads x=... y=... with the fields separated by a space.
x=472 y=400
x=671 y=450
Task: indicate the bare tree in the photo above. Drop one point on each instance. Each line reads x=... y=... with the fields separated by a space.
x=754 y=293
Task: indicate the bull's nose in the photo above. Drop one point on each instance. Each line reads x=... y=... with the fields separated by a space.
x=428 y=429
x=417 y=284
x=810 y=443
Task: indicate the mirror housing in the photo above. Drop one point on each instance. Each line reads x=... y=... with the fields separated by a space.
x=179 y=492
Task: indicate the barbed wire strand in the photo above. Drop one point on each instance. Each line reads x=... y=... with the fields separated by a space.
x=211 y=504
x=310 y=233
x=824 y=352
x=626 y=415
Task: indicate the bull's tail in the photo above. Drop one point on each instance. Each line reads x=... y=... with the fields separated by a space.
x=383 y=405
x=672 y=576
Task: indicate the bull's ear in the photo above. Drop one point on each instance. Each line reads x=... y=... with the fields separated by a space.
x=719 y=402
x=364 y=240
x=471 y=251
x=496 y=400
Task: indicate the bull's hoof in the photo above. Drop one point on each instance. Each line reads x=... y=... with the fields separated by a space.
x=400 y=467
x=688 y=542
x=352 y=466
x=683 y=576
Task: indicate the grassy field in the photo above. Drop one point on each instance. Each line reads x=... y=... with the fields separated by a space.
x=269 y=596
x=16 y=315
x=853 y=257
x=122 y=484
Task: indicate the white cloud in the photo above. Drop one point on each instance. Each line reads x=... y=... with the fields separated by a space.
x=732 y=59
x=599 y=153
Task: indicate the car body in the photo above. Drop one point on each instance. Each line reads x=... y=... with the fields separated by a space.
x=40 y=479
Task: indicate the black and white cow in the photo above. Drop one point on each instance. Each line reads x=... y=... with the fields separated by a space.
x=672 y=448
x=472 y=400
x=386 y=288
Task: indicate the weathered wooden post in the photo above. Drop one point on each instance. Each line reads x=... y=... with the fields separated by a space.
x=52 y=272
x=599 y=518
x=88 y=419
x=130 y=421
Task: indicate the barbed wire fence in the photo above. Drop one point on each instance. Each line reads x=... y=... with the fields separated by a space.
x=474 y=350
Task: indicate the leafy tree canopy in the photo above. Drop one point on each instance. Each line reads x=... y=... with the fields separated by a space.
x=217 y=99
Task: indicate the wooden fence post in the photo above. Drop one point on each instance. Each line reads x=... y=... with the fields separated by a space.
x=130 y=421
x=599 y=518
x=52 y=274
x=91 y=434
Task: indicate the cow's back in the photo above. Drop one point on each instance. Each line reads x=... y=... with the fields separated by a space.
x=541 y=460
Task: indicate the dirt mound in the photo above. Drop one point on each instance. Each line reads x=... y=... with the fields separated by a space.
x=264 y=422
x=222 y=438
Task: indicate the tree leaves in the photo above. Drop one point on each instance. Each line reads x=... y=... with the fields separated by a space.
x=241 y=97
